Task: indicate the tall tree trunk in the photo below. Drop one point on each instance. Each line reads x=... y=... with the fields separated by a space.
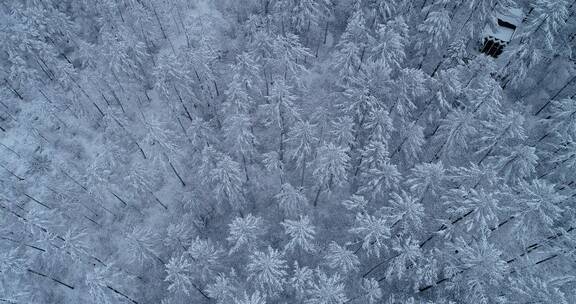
x=317 y=196
x=245 y=167
x=553 y=97
x=303 y=172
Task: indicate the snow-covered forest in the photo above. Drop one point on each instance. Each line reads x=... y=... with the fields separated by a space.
x=287 y=151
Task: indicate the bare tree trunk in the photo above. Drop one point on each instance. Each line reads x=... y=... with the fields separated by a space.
x=178 y=175
x=553 y=97
x=12 y=173
x=121 y=294
x=326 y=32
x=303 y=172
x=245 y=168
x=317 y=196
x=50 y=278
x=132 y=138
x=13 y=89
x=182 y=102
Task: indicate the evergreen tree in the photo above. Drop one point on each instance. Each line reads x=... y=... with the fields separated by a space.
x=291 y=200
x=405 y=211
x=535 y=289
x=281 y=112
x=167 y=151
x=268 y=271
x=239 y=136
x=209 y=253
x=341 y=259
x=435 y=31
x=372 y=290
x=301 y=280
x=255 y=298
x=326 y=290
x=330 y=171
x=222 y=289
x=519 y=162
x=426 y=178
x=374 y=232
x=392 y=39
x=539 y=208
x=481 y=266
x=302 y=136
x=176 y=270
x=301 y=234
x=141 y=248
x=408 y=256
x=455 y=132
x=245 y=231
x=227 y=181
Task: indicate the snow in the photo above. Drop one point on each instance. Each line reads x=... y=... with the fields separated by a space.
x=514 y=16
x=500 y=33
x=240 y=159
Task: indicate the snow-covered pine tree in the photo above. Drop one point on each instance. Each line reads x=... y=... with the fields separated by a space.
x=301 y=234
x=268 y=271
x=171 y=151
x=331 y=166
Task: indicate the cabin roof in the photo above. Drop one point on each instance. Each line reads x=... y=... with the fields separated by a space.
x=506 y=25
x=513 y=16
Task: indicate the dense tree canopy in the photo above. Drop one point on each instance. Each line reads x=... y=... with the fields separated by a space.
x=284 y=151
